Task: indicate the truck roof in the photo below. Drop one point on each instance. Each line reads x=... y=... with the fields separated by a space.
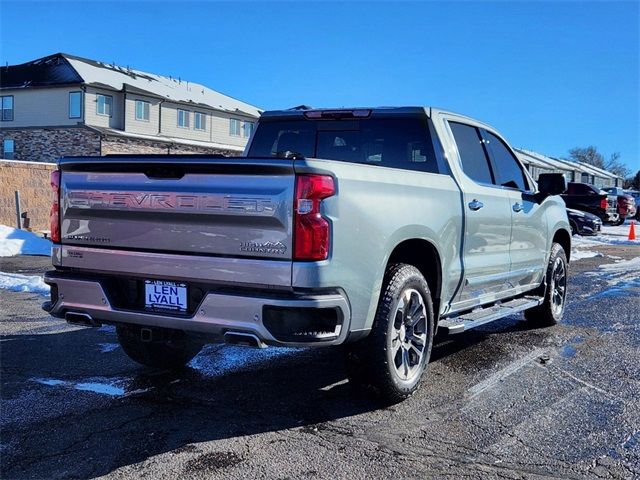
x=375 y=111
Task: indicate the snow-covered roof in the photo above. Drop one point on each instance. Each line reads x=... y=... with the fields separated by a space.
x=561 y=164
x=178 y=90
x=543 y=160
x=65 y=69
x=600 y=170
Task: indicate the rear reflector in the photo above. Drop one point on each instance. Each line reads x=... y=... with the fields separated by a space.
x=54 y=215
x=312 y=232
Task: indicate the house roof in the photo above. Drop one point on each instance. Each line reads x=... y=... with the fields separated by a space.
x=65 y=69
x=601 y=171
x=562 y=164
x=44 y=72
x=543 y=160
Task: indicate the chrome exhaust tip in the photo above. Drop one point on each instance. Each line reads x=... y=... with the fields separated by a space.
x=80 y=318
x=243 y=339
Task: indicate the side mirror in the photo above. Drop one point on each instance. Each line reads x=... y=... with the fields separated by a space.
x=551 y=184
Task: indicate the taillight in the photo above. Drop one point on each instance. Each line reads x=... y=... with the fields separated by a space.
x=54 y=215
x=312 y=232
x=604 y=204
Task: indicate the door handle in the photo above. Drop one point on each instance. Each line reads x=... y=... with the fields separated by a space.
x=517 y=207
x=475 y=205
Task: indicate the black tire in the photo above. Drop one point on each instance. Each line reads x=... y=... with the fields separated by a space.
x=574 y=228
x=397 y=334
x=618 y=222
x=169 y=348
x=550 y=311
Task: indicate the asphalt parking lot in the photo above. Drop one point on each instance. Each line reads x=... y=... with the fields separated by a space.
x=503 y=401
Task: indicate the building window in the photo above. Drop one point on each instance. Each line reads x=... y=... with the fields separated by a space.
x=247 y=129
x=75 y=104
x=7 y=108
x=234 y=127
x=104 y=105
x=183 y=118
x=199 y=121
x=142 y=110
x=8 y=149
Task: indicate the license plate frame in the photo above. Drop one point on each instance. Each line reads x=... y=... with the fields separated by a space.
x=166 y=296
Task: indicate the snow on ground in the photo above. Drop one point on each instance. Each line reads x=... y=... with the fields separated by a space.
x=23 y=283
x=622 y=277
x=579 y=254
x=21 y=242
x=610 y=235
x=111 y=387
x=215 y=360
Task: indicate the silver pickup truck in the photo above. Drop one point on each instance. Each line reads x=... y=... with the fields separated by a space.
x=373 y=228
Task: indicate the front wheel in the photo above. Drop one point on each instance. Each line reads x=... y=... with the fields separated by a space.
x=392 y=359
x=550 y=311
x=166 y=349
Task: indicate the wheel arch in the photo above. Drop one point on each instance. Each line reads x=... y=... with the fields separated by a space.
x=563 y=237
x=423 y=255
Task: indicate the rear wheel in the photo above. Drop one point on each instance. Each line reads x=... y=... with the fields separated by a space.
x=391 y=361
x=166 y=348
x=551 y=310
x=619 y=221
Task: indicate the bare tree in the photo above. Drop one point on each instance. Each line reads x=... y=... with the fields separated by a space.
x=633 y=182
x=592 y=156
x=614 y=165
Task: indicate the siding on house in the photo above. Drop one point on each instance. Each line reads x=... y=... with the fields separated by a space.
x=40 y=107
x=133 y=125
x=116 y=120
x=220 y=124
x=216 y=125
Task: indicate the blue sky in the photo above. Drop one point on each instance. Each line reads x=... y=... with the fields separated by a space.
x=548 y=75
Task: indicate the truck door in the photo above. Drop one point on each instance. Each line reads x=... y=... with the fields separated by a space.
x=487 y=224
x=529 y=226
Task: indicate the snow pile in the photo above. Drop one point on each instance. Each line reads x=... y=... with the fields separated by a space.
x=23 y=283
x=20 y=242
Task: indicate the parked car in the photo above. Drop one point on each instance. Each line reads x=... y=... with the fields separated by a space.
x=339 y=227
x=583 y=223
x=636 y=196
x=587 y=198
x=626 y=204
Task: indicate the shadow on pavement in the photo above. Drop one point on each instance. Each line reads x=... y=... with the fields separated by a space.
x=82 y=434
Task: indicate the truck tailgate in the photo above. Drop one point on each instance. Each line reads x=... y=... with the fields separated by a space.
x=193 y=205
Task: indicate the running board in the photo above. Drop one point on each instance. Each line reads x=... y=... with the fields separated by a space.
x=479 y=317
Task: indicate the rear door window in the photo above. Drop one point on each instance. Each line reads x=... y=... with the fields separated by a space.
x=506 y=168
x=472 y=153
x=396 y=142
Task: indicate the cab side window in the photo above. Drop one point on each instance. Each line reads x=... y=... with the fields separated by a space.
x=472 y=153
x=506 y=167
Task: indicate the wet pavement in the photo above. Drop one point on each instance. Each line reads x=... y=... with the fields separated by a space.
x=503 y=401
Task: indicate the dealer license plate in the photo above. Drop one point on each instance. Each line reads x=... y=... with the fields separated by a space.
x=161 y=295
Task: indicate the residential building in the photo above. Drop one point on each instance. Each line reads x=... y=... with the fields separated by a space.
x=537 y=163
x=67 y=105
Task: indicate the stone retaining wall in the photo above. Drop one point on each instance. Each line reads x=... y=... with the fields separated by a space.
x=49 y=144
x=32 y=180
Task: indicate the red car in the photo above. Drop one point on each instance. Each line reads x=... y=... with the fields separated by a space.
x=626 y=204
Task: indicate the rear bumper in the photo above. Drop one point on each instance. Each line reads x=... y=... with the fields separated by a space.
x=216 y=315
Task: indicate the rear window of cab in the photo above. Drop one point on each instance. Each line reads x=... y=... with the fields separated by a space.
x=396 y=142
